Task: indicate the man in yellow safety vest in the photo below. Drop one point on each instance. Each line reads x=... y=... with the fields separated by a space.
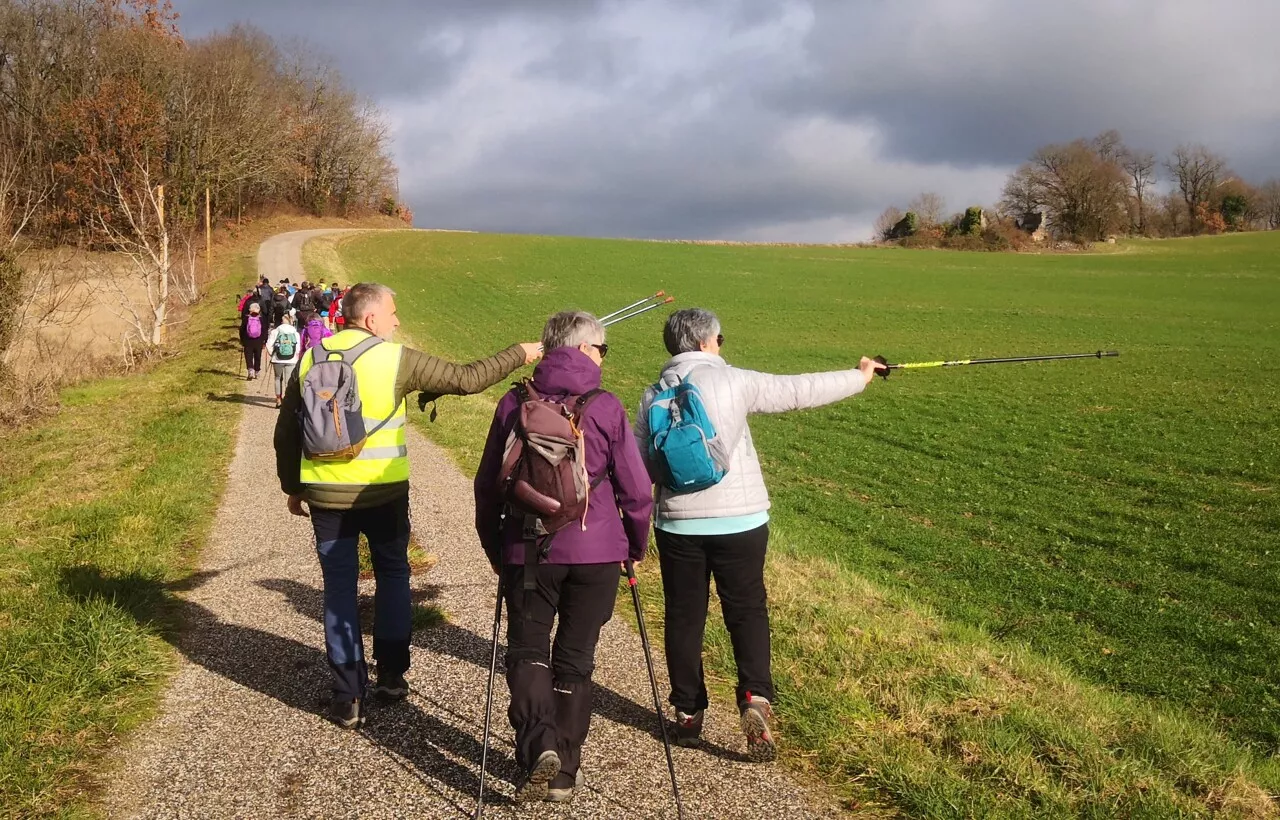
x=369 y=493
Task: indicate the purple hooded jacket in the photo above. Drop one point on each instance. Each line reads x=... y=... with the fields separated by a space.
x=618 y=516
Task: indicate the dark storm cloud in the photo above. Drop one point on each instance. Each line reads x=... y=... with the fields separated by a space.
x=992 y=81
x=764 y=119
x=386 y=49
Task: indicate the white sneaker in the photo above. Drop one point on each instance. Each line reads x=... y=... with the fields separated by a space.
x=559 y=792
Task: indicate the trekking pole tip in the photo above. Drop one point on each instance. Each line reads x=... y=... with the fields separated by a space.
x=669 y=300
x=659 y=294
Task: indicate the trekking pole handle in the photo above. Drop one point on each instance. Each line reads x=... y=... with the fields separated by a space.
x=882 y=372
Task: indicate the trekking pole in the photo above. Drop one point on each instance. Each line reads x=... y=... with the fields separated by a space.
x=657 y=295
x=653 y=684
x=634 y=314
x=884 y=371
x=488 y=701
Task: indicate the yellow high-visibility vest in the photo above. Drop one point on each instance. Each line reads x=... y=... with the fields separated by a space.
x=385 y=457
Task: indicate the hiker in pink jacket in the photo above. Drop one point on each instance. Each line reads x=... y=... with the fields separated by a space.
x=313 y=329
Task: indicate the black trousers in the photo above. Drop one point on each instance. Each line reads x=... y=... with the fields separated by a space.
x=550 y=683
x=736 y=561
x=253 y=357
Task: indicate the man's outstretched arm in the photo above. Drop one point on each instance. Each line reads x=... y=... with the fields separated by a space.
x=431 y=374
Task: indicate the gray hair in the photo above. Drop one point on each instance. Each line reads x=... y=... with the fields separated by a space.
x=361 y=298
x=687 y=329
x=571 y=328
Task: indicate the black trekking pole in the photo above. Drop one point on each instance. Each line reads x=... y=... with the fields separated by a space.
x=884 y=371
x=488 y=701
x=653 y=684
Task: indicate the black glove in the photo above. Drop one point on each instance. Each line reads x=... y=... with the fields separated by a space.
x=425 y=398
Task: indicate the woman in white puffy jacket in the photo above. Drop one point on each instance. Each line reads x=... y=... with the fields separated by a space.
x=285 y=346
x=723 y=530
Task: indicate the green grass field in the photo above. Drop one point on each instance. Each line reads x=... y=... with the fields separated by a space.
x=1027 y=590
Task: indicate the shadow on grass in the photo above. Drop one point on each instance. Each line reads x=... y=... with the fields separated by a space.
x=281 y=668
x=241 y=398
x=452 y=640
x=218 y=371
x=225 y=344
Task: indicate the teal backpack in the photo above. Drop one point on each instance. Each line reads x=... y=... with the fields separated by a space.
x=681 y=439
x=286 y=345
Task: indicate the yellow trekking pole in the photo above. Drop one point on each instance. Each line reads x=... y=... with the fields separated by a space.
x=886 y=367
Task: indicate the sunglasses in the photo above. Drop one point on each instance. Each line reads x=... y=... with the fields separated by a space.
x=603 y=348
x=720 y=340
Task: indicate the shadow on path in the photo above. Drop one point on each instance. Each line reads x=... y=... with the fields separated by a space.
x=284 y=669
x=452 y=640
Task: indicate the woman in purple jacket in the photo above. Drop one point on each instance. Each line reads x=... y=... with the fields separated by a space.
x=578 y=577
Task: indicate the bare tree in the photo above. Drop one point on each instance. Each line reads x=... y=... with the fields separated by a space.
x=1140 y=166
x=1269 y=203
x=1083 y=193
x=1197 y=170
x=1021 y=195
x=928 y=206
x=140 y=232
x=884 y=223
x=1109 y=146
x=49 y=299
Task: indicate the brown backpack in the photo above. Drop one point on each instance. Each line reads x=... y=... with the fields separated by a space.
x=544 y=463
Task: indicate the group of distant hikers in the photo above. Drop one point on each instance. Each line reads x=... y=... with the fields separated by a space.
x=285 y=322
x=566 y=490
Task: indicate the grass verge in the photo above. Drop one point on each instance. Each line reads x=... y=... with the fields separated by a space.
x=1018 y=592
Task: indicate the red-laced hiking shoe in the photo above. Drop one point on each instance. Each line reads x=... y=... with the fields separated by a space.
x=688 y=728
x=757 y=720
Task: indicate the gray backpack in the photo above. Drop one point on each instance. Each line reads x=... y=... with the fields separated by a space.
x=331 y=414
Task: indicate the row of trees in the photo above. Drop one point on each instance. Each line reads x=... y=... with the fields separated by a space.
x=1090 y=189
x=116 y=133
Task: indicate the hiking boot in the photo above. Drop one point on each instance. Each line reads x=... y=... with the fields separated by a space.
x=391 y=688
x=688 y=728
x=757 y=716
x=562 y=787
x=251 y=376
x=543 y=771
x=349 y=714
x=279 y=401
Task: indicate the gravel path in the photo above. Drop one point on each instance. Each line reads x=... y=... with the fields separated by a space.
x=242 y=733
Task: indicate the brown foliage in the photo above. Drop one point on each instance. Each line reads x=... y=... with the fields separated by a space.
x=1197 y=170
x=1082 y=190
x=228 y=112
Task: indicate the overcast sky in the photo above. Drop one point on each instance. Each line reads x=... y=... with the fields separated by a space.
x=750 y=119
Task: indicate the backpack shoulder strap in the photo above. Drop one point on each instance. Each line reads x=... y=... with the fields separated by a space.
x=352 y=353
x=580 y=406
x=525 y=391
